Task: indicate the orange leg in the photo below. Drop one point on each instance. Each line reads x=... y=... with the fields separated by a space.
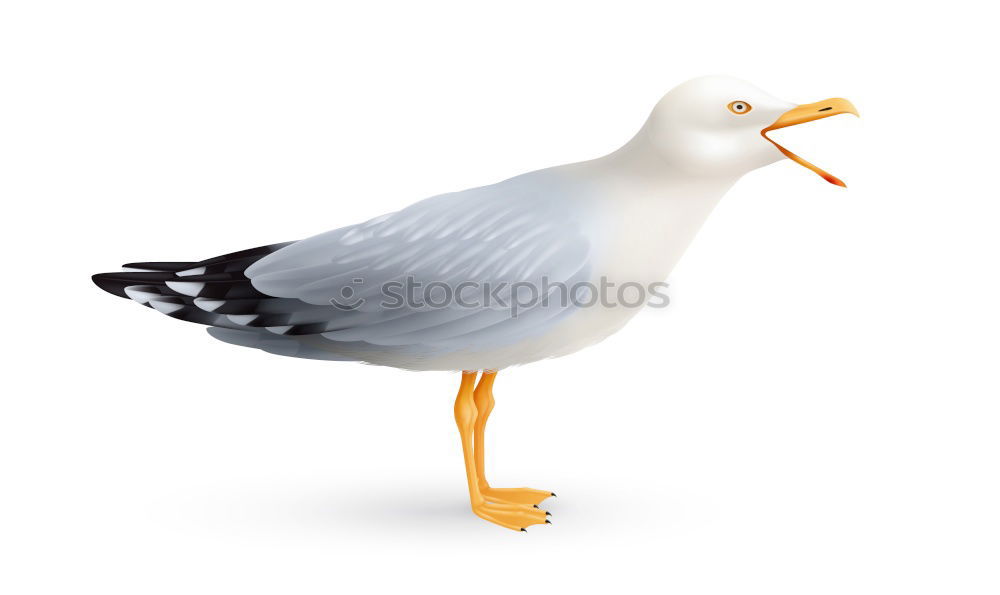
x=483 y=398
x=506 y=514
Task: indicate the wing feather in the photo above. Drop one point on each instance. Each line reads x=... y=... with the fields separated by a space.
x=493 y=237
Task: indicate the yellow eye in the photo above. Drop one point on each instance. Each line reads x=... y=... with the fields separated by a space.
x=739 y=107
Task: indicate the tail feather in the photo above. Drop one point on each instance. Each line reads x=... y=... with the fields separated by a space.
x=180 y=308
x=165 y=287
x=219 y=286
x=228 y=263
x=160 y=267
x=116 y=283
x=216 y=292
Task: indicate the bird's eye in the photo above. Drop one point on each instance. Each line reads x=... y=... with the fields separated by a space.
x=739 y=107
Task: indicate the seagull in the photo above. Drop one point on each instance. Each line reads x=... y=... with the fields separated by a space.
x=496 y=276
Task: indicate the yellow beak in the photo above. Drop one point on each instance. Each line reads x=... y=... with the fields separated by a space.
x=808 y=113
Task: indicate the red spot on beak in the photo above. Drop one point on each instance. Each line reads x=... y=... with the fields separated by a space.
x=834 y=180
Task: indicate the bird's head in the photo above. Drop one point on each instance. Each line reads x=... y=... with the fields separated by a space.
x=718 y=125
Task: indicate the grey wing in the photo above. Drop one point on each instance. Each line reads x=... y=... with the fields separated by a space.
x=394 y=282
x=510 y=251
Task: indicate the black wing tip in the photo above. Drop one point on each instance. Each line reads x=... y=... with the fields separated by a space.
x=162 y=267
x=221 y=283
x=115 y=283
x=110 y=285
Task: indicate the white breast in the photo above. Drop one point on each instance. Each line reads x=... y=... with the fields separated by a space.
x=639 y=227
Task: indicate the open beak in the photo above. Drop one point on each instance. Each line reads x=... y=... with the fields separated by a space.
x=808 y=113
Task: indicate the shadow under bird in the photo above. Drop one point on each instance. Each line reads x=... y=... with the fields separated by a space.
x=622 y=219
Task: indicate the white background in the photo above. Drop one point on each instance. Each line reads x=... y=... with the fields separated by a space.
x=817 y=412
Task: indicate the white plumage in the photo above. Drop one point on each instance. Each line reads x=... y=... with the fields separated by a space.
x=623 y=218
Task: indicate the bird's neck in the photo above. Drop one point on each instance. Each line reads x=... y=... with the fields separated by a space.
x=640 y=174
x=648 y=210
x=641 y=160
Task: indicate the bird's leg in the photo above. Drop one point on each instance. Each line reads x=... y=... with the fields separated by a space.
x=483 y=399
x=510 y=515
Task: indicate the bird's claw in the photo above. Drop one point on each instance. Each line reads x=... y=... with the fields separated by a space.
x=515 y=495
x=512 y=516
